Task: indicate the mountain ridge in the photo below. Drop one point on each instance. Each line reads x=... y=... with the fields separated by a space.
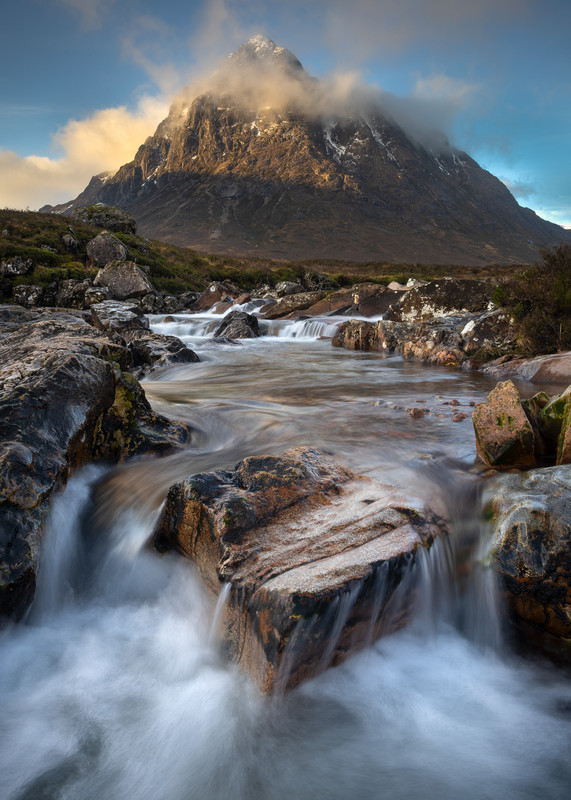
x=228 y=173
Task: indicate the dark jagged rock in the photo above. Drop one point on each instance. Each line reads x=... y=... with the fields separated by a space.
x=532 y=554
x=312 y=554
x=29 y=296
x=156 y=350
x=238 y=325
x=124 y=279
x=116 y=317
x=71 y=293
x=105 y=248
x=489 y=334
x=66 y=399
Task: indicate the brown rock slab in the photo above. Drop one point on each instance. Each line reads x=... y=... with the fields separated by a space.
x=291 y=302
x=504 y=435
x=312 y=554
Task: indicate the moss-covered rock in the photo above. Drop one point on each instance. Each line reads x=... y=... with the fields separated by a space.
x=65 y=400
x=504 y=435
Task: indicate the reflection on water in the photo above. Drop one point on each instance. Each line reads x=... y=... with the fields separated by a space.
x=115 y=687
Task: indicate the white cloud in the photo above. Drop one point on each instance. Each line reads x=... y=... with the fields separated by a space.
x=91 y=13
x=104 y=141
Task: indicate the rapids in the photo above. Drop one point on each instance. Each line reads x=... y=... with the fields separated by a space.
x=114 y=686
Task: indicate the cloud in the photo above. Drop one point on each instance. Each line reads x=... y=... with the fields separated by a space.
x=519 y=189
x=91 y=13
x=104 y=141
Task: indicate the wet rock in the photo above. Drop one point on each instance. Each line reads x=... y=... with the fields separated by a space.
x=441 y=298
x=110 y=217
x=187 y=299
x=563 y=455
x=116 y=317
x=156 y=350
x=312 y=553
x=504 y=435
x=215 y=293
x=292 y=302
x=65 y=400
x=352 y=298
x=238 y=325
x=105 y=248
x=29 y=296
x=124 y=280
x=15 y=266
x=532 y=553
x=357 y=335
x=551 y=414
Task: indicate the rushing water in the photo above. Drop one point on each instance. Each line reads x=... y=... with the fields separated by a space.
x=114 y=687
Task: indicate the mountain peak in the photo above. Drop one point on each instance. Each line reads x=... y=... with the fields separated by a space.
x=263 y=50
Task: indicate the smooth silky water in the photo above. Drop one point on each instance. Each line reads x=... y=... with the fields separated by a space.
x=114 y=687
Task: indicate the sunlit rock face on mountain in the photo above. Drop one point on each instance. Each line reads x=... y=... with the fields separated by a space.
x=262 y=159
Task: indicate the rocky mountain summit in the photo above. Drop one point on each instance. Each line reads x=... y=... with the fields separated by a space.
x=263 y=159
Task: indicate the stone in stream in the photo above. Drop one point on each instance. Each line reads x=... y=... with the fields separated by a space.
x=156 y=350
x=312 y=553
x=238 y=325
x=531 y=516
x=504 y=435
x=65 y=400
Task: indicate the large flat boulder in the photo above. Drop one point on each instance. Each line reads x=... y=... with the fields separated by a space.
x=541 y=370
x=65 y=399
x=441 y=298
x=104 y=248
x=531 y=515
x=312 y=555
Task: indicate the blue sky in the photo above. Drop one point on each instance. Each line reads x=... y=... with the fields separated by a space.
x=83 y=83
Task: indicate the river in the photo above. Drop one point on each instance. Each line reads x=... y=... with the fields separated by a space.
x=115 y=687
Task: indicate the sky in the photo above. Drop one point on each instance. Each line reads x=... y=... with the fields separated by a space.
x=84 y=82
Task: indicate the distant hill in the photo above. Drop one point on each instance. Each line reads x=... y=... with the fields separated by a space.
x=262 y=163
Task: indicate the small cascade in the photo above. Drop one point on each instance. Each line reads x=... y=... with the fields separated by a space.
x=307 y=329
x=63 y=562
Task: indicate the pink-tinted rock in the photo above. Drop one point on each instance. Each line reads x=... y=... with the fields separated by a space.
x=312 y=553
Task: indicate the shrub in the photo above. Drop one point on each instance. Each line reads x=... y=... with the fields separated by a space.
x=540 y=302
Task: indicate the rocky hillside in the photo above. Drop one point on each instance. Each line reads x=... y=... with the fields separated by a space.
x=262 y=163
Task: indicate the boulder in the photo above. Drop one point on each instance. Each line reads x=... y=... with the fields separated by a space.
x=15 y=266
x=217 y=292
x=70 y=243
x=488 y=334
x=311 y=553
x=550 y=416
x=353 y=299
x=238 y=325
x=29 y=296
x=96 y=294
x=156 y=350
x=357 y=335
x=115 y=317
x=284 y=288
x=105 y=248
x=441 y=298
x=110 y=217
x=124 y=280
x=71 y=293
x=531 y=516
x=504 y=435
x=65 y=400
x=563 y=454
x=541 y=370
x=292 y=302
